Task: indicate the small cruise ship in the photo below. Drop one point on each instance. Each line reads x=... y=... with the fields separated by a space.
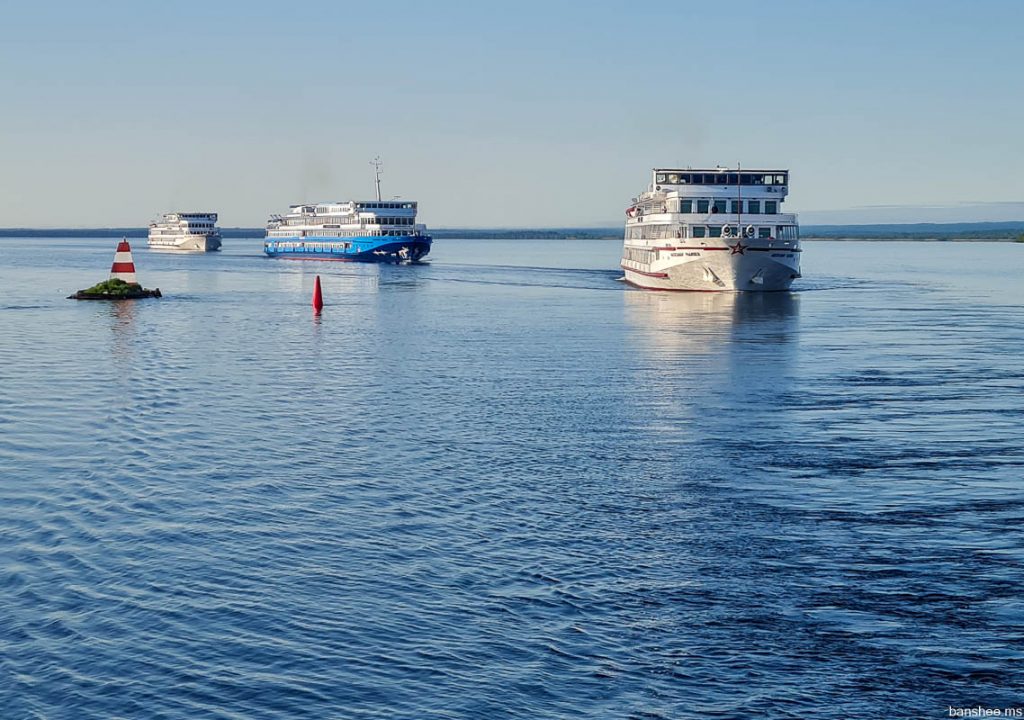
x=718 y=229
x=193 y=232
x=355 y=230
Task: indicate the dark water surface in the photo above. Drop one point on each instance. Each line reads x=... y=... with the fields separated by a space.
x=504 y=485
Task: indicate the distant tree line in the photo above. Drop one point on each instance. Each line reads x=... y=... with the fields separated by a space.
x=920 y=231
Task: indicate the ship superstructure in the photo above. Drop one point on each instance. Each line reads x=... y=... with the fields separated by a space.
x=189 y=231
x=361 y=230
x=717 y=229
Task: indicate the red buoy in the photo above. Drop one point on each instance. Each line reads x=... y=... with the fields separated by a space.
x=318 y=296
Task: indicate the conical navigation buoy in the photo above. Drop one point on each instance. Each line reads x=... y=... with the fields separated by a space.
x=318 y=296
x=123 y=267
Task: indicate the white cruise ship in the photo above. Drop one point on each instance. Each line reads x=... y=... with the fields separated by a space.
x=194 y=232
x=718 y=229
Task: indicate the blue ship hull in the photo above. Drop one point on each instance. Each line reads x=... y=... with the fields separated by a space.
x=366 y=248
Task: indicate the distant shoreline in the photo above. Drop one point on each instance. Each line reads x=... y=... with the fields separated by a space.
x=933 y=232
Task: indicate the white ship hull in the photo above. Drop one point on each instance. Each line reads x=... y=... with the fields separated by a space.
x=756 y=267
x=186 y=243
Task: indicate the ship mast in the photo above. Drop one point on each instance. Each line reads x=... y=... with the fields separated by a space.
x=377 y=165
x=739 y=201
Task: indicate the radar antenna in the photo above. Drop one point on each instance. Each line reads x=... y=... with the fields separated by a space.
x=376 y=162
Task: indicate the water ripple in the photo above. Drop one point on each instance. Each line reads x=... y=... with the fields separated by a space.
x=478 y=489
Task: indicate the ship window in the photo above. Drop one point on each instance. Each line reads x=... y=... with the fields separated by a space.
x=733 y=178
x=754 y=207
x=715 y=231
x=780 y=179
x=734 y=206
x=746 y=179
x=661 y=177
x=769 y=179
x=764 y=233
x=771 y=207
x=721 y=179
x=702 y=206
x=718 y=207
x=698 y=232
x=686 y=206
x=673 y=179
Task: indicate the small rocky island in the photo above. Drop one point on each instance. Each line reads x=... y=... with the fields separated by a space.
x=115 y=289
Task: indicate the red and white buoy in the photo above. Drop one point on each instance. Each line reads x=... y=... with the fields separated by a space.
x=123 y=267
x=318 y=296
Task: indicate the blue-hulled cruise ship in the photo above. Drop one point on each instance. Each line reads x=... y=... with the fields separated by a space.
x=356 y=230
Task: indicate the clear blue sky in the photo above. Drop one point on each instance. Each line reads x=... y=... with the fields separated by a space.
x=499 y=114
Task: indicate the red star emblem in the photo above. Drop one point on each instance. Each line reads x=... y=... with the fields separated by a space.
x=738 y=248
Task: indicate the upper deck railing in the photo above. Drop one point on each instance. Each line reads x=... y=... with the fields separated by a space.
x=720 y=176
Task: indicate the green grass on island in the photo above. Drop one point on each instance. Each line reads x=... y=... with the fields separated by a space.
x=114 y=286
x=117 y=288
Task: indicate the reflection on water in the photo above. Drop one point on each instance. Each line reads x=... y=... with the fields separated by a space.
x=712 y=361
x=681 y=324
x=123 y=335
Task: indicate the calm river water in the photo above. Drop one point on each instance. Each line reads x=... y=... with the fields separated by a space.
x=505 y=485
